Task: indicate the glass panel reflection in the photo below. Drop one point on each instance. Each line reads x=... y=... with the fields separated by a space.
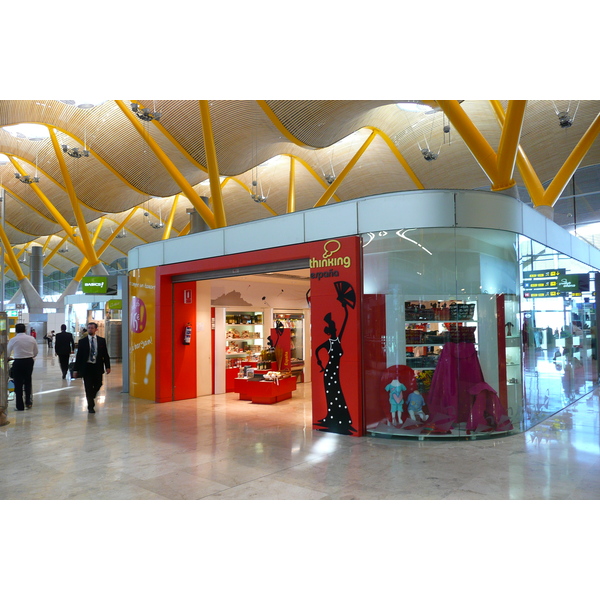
x=472 y=333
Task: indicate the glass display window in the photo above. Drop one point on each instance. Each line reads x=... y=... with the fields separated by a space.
x=473 y=333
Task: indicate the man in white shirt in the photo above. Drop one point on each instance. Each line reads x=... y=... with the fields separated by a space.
x=23 y=349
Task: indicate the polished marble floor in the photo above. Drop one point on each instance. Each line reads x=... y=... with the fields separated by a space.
x=221 y=448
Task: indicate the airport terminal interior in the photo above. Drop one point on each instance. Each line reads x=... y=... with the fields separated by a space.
x=220 y=448
x=95 y=180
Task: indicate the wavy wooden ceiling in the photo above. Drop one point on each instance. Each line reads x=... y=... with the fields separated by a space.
x=123 y=172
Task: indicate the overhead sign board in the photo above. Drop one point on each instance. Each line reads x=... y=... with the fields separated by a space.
x=99 y=284
x=94 y=285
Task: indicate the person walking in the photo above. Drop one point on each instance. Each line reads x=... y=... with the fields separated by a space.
x=64 y=345
x=23 y=349
x=50 y=339
x=91 y=361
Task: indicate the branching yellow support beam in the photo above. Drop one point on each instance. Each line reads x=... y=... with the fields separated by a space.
x=509 y=144
x=23 y=249
x=19 y=254
x=53 y=210
x=90 y=253
x=212 y=164
x=169 y=223
x=291 y=204
x=477 y=144
x=13 y=263
x=242 y=184
x=173 y=141
x=98 y=229
x=55 y=249
x=186 y=188
x=558 y=184
x=25 y=203
x=85 y=265
x=46 y=243
x=323 y=184
x=275 y=120
x=399 y=156
x=340 y=178
x=185 y=230
x=530 y=178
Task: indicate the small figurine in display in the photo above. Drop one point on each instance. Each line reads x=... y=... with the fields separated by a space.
x=395 y=389
x=415 y=404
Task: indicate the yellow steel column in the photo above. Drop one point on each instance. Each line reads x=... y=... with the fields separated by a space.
x=90 y=253
x=13 y=263
x=532 y=181
x=558 y=184
x=291 y=206
x=85 y=265
x=169 y=223
x=399 y=156
x=45 y=246
x=53 y=210
x=477 y=144
x=23 y=249
x=185 y=230
x=186 y=188
x=97 y=232
x=213 y=167
x=55 y=250
x=242 y=184
x=509 y=144
x=340 y=178
x=323 y=184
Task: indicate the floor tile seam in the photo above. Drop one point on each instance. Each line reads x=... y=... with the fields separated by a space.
x=148 y=487
x=269 y=475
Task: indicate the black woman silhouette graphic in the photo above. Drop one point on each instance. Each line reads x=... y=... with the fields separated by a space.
x=338 y=418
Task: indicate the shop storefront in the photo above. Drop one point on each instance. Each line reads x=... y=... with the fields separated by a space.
x=429 y=315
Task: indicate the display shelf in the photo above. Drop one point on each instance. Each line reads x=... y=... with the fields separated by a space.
x=295 y=323
x=433 y=326
x=244 y=333
x=442 y=321
x=509 y=352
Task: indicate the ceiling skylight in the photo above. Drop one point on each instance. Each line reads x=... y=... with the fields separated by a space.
x=83 y=103
x=30 y=131
x=414 y=107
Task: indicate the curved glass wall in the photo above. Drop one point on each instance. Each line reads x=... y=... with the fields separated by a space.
x=472 y=332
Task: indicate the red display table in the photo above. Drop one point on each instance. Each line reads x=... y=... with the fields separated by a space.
x=264 y=392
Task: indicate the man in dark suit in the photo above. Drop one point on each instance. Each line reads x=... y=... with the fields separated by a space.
x=63 y=346
x=91 y=361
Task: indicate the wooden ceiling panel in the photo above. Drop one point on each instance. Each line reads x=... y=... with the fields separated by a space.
x=123 y=171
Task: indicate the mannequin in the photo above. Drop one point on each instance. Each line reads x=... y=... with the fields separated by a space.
x=395 y=389
x=415 y=405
